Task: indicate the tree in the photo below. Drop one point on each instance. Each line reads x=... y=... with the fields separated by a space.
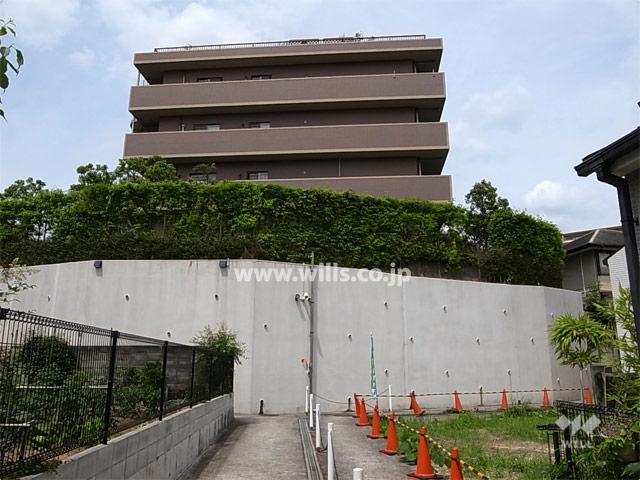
x=90 y=174
x=10 y=56
x=13 y=279
x=483 y=202
x=138 y=169
x=22 y=189
x=153 y=169
x=597 y=306
x=223 y=341
x=626 y=388
x=580 y=341
x=522 y=249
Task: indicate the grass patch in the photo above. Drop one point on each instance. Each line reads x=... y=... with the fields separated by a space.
x=503 y=445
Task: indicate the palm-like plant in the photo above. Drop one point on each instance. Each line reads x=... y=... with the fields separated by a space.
x=580 y=341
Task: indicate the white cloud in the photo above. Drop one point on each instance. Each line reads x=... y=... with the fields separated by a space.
x=550 y=195
x=506 y=107
x=146 y=24
x=41 y=23
x=583 y=205
x=488 y=115
x=85 y=57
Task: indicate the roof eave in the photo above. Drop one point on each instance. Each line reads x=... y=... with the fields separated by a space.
x=605 y=156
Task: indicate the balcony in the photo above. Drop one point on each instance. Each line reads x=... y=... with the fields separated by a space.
x=419 y=140
x=416 y=90
x=413 y=47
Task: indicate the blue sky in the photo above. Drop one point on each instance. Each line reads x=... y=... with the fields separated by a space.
x=532 y=86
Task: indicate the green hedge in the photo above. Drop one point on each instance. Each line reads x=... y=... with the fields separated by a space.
x=176 y=219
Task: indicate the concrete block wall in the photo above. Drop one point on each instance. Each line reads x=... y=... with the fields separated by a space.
x=159 y=450
x=431 y=335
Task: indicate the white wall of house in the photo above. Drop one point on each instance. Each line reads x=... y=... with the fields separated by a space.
x=618 y=272
x=431 y=335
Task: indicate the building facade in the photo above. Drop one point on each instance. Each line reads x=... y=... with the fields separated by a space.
x=358 y=114
x=586 y=263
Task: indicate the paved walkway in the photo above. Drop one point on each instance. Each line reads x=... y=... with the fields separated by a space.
x=353 y=449
x=258 y=447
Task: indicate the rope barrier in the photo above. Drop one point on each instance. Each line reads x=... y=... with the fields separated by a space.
x=331 y=401
x=348 y=403
x=469 y=467
x=472 y=469
x=478 y=392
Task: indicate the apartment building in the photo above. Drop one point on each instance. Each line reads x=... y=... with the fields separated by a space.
x=357 y=114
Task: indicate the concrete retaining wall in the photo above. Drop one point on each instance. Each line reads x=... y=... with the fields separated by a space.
x=159 y=450
x=431 y=335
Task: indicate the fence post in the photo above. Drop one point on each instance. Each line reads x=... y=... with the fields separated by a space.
x=193 y=374
x=318 y=438
x=110 y=378
x=331 y=467
x=306 y=399
x=163 y=380
x=210 y=376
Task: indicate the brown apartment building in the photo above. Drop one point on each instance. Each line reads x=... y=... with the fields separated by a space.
x=359 y=114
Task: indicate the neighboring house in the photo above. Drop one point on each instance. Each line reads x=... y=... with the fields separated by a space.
x=585 y=264
x=352 y=113
x=618 y=164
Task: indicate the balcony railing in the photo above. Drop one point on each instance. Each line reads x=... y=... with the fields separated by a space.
x=415 y=90
x=287 y=43
x=424 y=140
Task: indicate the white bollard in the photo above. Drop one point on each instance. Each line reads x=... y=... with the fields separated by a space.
x=358 y=474
x=390 y=404
x=310 y=410
x=318 y=441
x=331 y=467
x=306 y=399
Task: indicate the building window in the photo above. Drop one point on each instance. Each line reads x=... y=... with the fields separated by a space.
x=258 y=175
x=209 y=79
x=260 y=77
x=206 y=126
x=603 y=266
x=259 y=124
x=202 y=177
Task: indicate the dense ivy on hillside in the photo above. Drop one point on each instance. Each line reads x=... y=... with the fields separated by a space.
x=140 y=219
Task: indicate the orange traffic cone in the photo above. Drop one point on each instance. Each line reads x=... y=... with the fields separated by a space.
x=457 y=404
x=375 y=430
x=423 y=467
x=356 y=404
x=588 y=398
x=392 y=437
x=504 y=403
x=545 y=399
x=456 y=468
x=417 y=411
x=363 y=418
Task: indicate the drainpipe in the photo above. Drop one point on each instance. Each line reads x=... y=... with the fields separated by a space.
x=630 y=244
x=312 y=306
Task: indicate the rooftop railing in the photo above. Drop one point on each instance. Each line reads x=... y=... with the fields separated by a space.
x=288 y=43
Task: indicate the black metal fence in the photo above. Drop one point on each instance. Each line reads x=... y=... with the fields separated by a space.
x=65 y=385
x=580 y=426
